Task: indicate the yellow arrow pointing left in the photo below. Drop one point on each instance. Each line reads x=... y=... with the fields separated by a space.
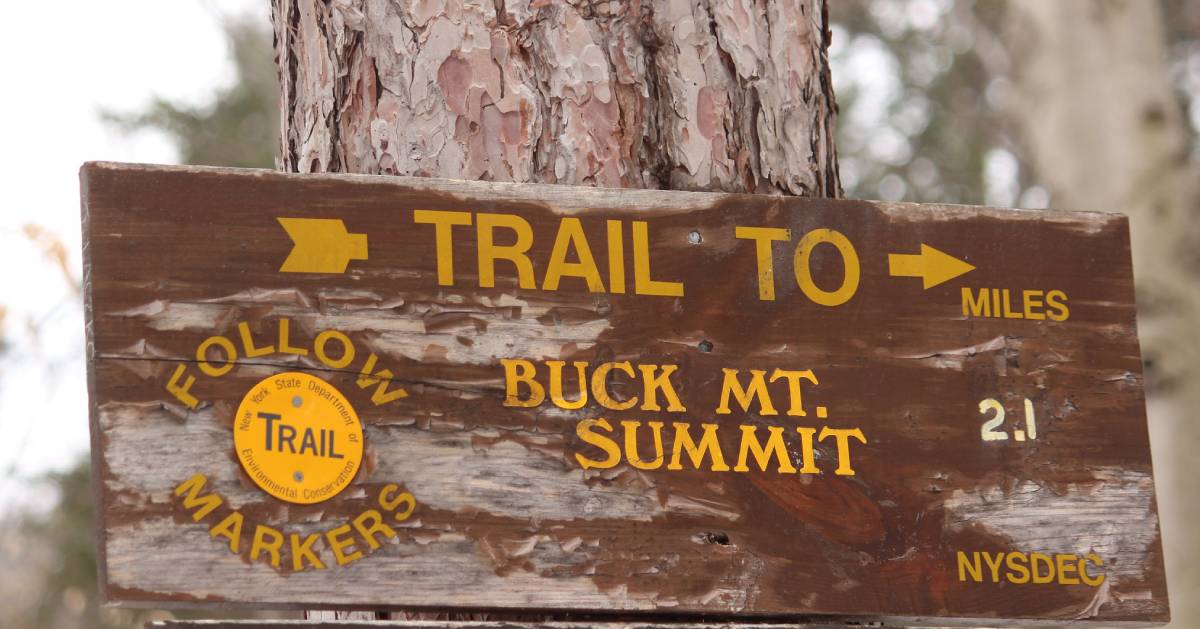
x=321 y=245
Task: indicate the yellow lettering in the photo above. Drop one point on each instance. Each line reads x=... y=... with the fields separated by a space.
x=377 y=526
x=1016 y=564
x=516 y=371
x=585 y=432
x=1032 y=300
x=852 y=272
x=182 y=392
x=795 y=408
x=806 y=450
x=631 y=447
x=1067 y=565
x=570 y=234
x=600 y=386
x=763 y=237
x=751 y=445
x=284 y=347
x=443 y=222
x=260 y=545
x=708 y=444
x=616 y=258
x=390 y=503
x=302 y=552
x=642 y=284
x=1057 y=300
x=338 y=543
x=652 y=384
x=842 y=436
x=993 y=564
x=746 y=395
x=231 y=529
x=1034 y=560
x=490 y=252
x=203 y=505
x=347 y=349
x=556 y=384
x=381 y=378
x=1007 y=303
x=202 y=356
x=248 y=343
x=972 y=567
x=1083 y=573
x=976 y=307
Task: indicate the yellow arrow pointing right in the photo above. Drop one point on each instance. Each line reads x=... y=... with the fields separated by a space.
x=321 y=245
x=931 y=265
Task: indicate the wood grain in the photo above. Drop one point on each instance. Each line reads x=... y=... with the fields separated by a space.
x=451 y=624
x=508 y=520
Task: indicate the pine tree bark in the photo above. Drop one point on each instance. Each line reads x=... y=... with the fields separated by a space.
x=1096 y=111
x=729 y=95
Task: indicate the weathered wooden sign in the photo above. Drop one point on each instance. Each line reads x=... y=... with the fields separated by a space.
x=394 y=392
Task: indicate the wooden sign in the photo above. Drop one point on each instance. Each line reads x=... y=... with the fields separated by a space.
x=338 y=391
x=485 y=624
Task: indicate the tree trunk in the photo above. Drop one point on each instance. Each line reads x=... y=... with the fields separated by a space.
x=728 y=95
x=731 y=95
x=1094 y=103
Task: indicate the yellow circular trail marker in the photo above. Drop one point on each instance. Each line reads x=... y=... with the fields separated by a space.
x=298 y=438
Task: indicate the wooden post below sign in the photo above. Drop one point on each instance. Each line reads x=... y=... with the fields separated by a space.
x=378 y=393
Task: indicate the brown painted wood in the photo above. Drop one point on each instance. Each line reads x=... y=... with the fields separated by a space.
x=453 y=624
x=507 y=519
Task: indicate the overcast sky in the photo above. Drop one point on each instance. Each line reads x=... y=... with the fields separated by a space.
x=59 y=74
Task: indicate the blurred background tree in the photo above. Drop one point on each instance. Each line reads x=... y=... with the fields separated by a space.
x=54 y=545
x=1073 y=104
x=918 y=85
x=240 y=126
x=56 y=585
